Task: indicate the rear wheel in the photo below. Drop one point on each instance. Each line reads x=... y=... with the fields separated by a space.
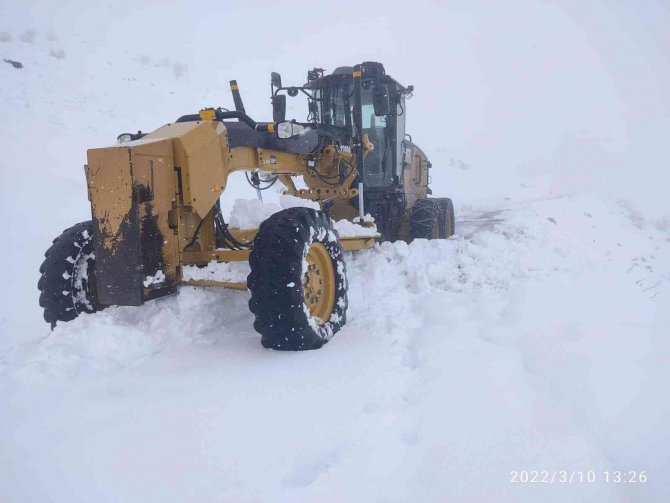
x=426 y=221
x=297 y=281
x=447 y=210
x=432 y=219
x=67 y=284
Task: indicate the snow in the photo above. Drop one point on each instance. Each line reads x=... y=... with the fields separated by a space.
x=534 y=339
x=346 y=229
x=518 y=344
x=156 y=279
x=250 y=213
x=232 y=272
x=287 y=201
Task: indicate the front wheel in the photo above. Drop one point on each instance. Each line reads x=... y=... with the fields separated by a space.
x=67 y=284
x=297 y=281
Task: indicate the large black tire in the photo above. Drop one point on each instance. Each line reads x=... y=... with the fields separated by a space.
x=426 y=221
x=279 y=267
x=448 y=217
x=432 y=219
x=67 y=284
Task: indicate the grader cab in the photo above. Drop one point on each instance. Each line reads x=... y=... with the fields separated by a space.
x=156 y=214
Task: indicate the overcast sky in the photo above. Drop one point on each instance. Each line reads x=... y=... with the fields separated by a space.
x=576 y=88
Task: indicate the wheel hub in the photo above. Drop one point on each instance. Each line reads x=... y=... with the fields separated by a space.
x=319 y=283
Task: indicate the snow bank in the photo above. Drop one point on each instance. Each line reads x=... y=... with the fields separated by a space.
x=529 y=341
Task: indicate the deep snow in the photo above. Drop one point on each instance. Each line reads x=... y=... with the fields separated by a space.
x=534 y=339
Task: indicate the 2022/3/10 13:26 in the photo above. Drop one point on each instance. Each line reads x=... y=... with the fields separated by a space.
x=577 y=476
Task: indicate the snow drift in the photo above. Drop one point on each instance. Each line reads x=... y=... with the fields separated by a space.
x=528 y=341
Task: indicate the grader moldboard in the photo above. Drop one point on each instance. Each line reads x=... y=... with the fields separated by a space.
x=156 y=211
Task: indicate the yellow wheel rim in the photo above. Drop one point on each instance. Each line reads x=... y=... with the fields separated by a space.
x=318 y=283
x=436 y=228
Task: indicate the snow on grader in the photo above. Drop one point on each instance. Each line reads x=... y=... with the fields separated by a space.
x=156 y=214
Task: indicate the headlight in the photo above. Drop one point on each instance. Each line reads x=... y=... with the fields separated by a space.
x=289 y=129
x=123 y=138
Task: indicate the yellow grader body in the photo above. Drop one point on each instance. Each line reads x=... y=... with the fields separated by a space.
x=149 y=197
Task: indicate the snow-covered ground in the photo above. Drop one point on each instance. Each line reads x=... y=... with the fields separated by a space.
x=535 y=339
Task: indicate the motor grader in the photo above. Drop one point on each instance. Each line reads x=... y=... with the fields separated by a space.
x=156 y=213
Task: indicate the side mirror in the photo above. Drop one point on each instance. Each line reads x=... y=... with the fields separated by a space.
x=275 y=79
x=278 y=108
x=381 y=100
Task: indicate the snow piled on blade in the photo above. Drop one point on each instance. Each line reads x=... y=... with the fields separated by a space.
x=534 y=339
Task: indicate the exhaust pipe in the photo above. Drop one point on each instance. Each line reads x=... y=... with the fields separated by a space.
x=237 y=98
